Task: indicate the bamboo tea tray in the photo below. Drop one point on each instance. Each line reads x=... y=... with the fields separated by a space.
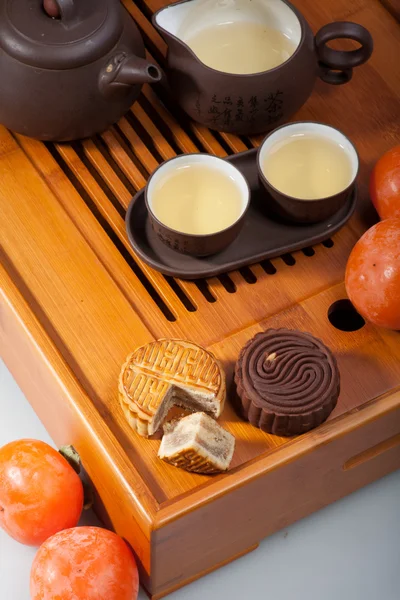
x=76 y=300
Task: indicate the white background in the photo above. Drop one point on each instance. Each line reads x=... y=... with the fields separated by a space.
x=348 y=551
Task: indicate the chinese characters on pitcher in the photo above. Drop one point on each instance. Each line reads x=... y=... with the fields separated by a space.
x=226 y=110
x=221 y=110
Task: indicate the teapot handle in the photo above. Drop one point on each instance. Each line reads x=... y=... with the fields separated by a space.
x=63 y=9
x=337 y=65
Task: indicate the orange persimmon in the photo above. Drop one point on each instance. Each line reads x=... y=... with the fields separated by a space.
x=373 y=274
x=40 y=493
x=84 y=563
x=385 y=184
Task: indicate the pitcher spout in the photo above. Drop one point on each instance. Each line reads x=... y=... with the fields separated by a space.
x=170 y=21
x=178 y=22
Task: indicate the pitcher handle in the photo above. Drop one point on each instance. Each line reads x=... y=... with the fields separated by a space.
x=337 y=65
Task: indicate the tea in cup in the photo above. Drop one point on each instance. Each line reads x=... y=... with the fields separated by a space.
x=308 y=169
x=197 y=203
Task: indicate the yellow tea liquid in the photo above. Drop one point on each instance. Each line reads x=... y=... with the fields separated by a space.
x=196 y=199
x=241 y=47
x=308 y=167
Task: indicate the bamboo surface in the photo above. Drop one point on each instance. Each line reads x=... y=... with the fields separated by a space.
x=76 y=300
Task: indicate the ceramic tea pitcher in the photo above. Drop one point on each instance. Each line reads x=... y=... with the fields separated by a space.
x=256 y=102
x=69 y=68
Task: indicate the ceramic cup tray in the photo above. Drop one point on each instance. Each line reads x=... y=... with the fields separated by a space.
x=263 y=235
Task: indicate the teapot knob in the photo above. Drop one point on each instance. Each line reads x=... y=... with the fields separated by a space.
x=60 y=9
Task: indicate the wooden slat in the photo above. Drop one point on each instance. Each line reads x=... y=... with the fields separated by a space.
x=162 y=145
x=138 y=146
x=208 y=140
x=178 y=134
x=106 y=172
x=115 y=147
x=234 y=142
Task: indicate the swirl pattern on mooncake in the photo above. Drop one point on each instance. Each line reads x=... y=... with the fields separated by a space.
x=288 y=381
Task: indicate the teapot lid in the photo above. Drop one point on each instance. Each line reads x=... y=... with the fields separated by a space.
x=84 y=31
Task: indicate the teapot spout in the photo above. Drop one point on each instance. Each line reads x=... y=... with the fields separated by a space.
x=125 y=70
x=135 y=70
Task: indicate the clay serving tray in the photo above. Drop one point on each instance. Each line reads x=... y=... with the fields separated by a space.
x=263 y=236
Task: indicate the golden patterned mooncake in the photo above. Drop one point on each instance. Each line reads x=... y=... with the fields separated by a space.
x=198 y=444
x=168 y=373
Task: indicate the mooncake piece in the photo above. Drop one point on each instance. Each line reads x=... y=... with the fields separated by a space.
x=168 y=373
x=198 y=444
x=288 y=381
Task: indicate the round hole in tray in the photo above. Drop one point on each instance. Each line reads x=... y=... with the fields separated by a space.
x=344 y=316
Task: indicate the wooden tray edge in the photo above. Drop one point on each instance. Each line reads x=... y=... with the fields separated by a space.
x=18 y=319
x=259 y=467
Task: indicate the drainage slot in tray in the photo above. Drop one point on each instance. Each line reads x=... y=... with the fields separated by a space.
x=174 y=285
x=248 y=275
x=227 y=283
x=268 y=267
x=288 y=259
x=204 y=288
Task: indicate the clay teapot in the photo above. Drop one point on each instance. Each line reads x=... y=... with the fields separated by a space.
x=69 y=68
x=256 y=102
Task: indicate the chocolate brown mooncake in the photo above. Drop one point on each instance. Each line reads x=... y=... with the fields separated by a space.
x=288 y=381
x=197 y=443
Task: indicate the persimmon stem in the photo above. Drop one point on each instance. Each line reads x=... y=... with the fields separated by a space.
x=74 y=460
x=72 y=457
